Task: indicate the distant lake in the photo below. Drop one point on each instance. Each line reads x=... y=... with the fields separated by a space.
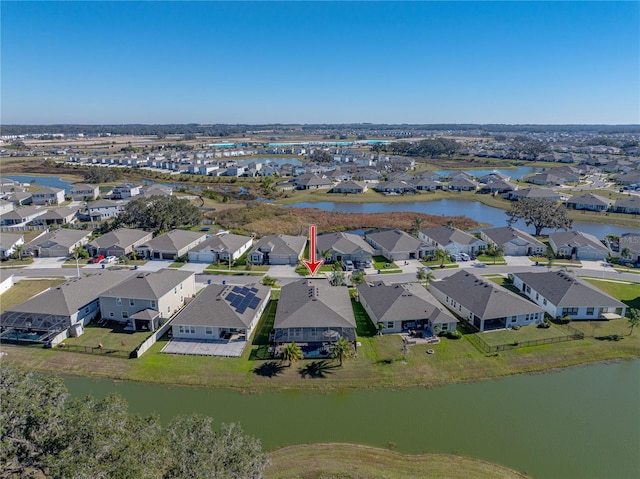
x=42 y=181
x=454 y=207
x=514 y=173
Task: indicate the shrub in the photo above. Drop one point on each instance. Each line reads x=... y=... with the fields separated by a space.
x=544 y=324
x=452 y=335
x=515 y=327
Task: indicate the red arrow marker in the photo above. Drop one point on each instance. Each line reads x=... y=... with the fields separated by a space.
x=311 y=264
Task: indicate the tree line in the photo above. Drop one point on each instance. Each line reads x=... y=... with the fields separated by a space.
x=430 y=147
x=44 y=432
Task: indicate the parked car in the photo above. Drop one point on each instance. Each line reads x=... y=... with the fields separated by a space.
x=367 y=264
x=348 y=265
x=110 y=259
x=464 y=256
x=456 y=257
x=97 y=259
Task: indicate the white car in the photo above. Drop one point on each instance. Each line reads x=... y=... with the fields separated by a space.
x=110 y=259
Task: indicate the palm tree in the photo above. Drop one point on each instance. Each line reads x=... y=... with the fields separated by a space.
x=342 y=349
x=381 y=327
x=292 y=353
x=550 y=257
x=416 y=225
x=17 y=252
x=634 y=319
x=495 y=251
x=441 y=255
x=423 y=274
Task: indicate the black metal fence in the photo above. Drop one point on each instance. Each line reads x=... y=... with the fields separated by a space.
x=488 y=348
x=117 y=353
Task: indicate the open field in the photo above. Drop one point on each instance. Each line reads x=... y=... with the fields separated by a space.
x=24 y=290
x=350 y=461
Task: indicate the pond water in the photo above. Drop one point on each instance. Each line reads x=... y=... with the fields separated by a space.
x=515 y=173
x=454 y=207
x=43 y=181
x=581 y=422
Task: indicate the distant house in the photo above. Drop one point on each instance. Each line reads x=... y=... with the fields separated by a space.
x=631 y=241
x=21 y=216
x=220 y=312
x=589 y=201
x=462 y=184
x=311 y=313
x=8 y=244
x=537 y=193
x=395 y=187
x=398 y=245
x=513 y=241
x=561 y=294
x=343 y=247
x=61 y=311
x=578 y=245
x=170 y=245
x=545 y=179
x=82 y=192
x=498 y=186
x=57 y=243
x=118 y=242
x=157 y=190
x=220 y=247
x=19 y=198
x=484 y=304
x=48 y=196
x=402 y=307
x=350 y=186
x=278 y=250
x=104 y=209
x=6 y=206
x=629 y=205
x=143 y=300
x=452 y=240
x=311 y=181
x=58 y=216
x=425 y=184
x=493 y=177
x=126 y=190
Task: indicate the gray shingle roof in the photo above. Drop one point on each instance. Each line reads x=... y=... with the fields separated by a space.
x=63 y=237
x=148 y=285
x=395 y=240
x=7 y=240
x=314 y=303
x=565 y=290
x=445 y=235
x=588 y=199
x=281 y=244
x=408 y=301
x=122 y=237
x=212 y=308
x=576 y=239
x=346 y=243
x=504 y=234
x=174 y=240
x=67 y=298
x=484 y=298
x=223 y=242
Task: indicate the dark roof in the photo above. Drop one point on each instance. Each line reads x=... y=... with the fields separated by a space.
x=504 y=234
x=445 y=235
x=564 y=290
x=149 y=285
x=224 y=306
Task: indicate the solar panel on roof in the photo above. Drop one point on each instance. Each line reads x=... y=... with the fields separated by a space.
x=244 y=290
x=237 y=289
x=236 y=302
x=254 y=303
x=241 y=310
x=231 y=297
x=255 y=290
x=250 y=296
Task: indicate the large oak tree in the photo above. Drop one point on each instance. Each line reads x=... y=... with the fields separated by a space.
x=541 y=213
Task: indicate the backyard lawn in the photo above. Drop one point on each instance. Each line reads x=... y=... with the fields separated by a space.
x=109 y=337
x=627 y=292
x=525 y=333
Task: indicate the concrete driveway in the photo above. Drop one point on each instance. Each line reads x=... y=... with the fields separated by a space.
x=46 y=263
x=155 y=265
x=284 y=271
x=195 y=267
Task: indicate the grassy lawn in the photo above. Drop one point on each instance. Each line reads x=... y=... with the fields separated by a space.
x=25 y=289
x=436 y=264
x=109 y=337
x=177 y=264
x=302 y=270
x=16 y=262
x=525 y=333
x=380 y=262
x=350 y=461
x=628 y=293
x=490 y=260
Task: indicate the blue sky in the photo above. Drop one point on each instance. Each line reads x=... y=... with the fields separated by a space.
x=320 y=62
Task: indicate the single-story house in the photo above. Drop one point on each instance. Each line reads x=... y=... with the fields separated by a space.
x=311 y=181
x=632 y=242
x=398 y=245
x=19 y=198
x=403 y=307
x=220 y=247
x=350 y=186
x=170 y=245
x=6 y=206
x=395 y=187
x=343 y=247
x=463 y=184
x=163 y=292
x=545 y=179
x=118 y=242
x=561 y=294
x=311 y=313
x=578 y=245
x=498 y=186
x=9 y=242
x=545 y=193
x=513 y=241
x=452 y=240
x=278 y=250
x=629 y=205
x=483 y=303
x=48 y=196
x=221 y=311
x=57 y=243
x=426 y=184
x=589 y=201
x=82 y=192
x=61 y=309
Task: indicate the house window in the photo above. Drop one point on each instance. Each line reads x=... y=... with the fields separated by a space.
x=86 y=310
x=590 y=311
x=153 y=303
x=528 y=289
x=193 y=329
x=180 y=286
x=111 y=315
x=208 y=330
x=444 y=327
x=513 y=319
x=125 y=314
x=119 y=301
x=544 y=301
x=181 y=329
x=569 y=311
x=390 y=324
x=132 y=302
x=168 y=309
x=175 y=290
x=537 y=296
